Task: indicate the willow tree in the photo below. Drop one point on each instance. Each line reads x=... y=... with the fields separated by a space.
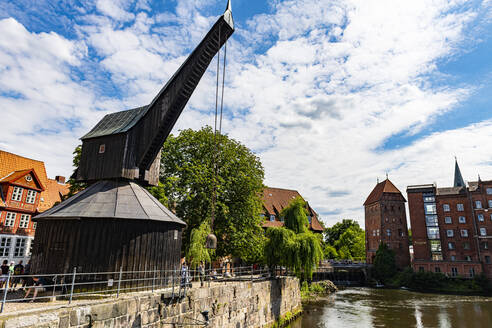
x=293 y=245
x=197 y=252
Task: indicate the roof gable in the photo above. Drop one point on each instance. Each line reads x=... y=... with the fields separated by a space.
x=385 y=187
x=25 y=178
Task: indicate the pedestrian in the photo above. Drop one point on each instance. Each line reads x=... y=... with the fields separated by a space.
x=184 y=275
x=27 y=271
x=11 y=271
x=38 y=284
x=5 y=273
x=201 y=272
x=18 y=270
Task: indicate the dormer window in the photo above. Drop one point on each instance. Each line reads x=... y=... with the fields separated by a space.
x=272 y=217
x=17 y=194
x=31 y=196
x=28 y=178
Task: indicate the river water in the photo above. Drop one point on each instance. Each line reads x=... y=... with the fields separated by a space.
x=365 y=307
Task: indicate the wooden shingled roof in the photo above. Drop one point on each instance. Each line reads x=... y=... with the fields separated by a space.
x=276 y=199
x=385 y=187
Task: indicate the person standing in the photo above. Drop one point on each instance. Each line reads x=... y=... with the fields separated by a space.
x=18 y=270
x=5 y=272
x=201 y=272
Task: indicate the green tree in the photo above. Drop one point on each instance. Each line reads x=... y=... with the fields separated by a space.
x=197 y=251
x=187 y=177
x=75 y=186
x=352 y=241
x=332 y=234
x=295 y=216
x=330 y=252
x=384 y=263
x=293 y=245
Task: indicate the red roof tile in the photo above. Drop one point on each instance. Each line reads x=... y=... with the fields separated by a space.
x=382 y=188
x=14 y=165
x=276 y=199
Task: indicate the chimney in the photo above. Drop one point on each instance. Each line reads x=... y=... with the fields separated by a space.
x=60 y=179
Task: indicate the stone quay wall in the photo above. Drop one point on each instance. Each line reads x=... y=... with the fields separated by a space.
x=233 y=304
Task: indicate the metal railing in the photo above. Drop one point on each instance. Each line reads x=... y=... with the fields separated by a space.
x=95 y=285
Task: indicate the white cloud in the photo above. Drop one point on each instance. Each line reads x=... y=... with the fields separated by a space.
x=315 y=87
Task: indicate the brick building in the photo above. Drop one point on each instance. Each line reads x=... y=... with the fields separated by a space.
x=276 y=199
x=25 y=191
x=451 y=227
x=386 y=222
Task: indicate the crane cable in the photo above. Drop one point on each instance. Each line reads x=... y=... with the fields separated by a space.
x=216 y=144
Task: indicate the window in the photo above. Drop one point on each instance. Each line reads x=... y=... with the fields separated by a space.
x=468 y=258
x=460 y=207
x=35 y=225
x=464 y=233
x=448 y=220
x=480 y=217
x=490 y=203
x=400 y=233
x=450 y=245
x=272 y=217
x=478 y=204
x=430 y=209
x=377 y=232
x=388 y=232
x=453 y=258
x=20 y=247
x=487 y=259
x=5 y=246
x=483 y=232
x=485 y=245
x=9 y=219
x=437 y=269
x=462 y=219
x=31 y=196
x=454 y=272
x=17 y=194
x=374 y=232
x=472 y=272
x=489 y=191
x=309 y=218
x=446 y=208
x=450 y=233
x=436 y=257
x=430 y=199
x=432 y=233
x=24 y=221
x=466 y=245
x=431 y=220
x=435 y=245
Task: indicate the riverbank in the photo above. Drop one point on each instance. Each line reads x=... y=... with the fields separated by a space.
x=317 y=289
x=430 y=282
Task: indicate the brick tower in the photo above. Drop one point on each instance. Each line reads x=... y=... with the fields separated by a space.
x=386 y=222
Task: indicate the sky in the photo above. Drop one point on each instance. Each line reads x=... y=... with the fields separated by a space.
x=330 y=95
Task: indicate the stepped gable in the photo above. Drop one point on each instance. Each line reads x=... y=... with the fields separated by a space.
x=385 y=187
x=112 y=200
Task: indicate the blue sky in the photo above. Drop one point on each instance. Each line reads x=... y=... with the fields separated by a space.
x=331 y=95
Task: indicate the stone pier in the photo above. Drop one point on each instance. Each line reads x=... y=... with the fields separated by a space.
x=233 y=304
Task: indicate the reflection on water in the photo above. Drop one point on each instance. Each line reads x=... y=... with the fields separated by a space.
x=365 y=307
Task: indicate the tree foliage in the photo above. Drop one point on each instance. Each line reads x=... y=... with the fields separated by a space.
x=295 y=216
x=347 y=238
x=293 y=245
x=197 y=251
x=384 y=263
x=75 y=186
x=187 y=178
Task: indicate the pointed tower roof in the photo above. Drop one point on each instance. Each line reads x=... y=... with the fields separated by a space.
x=385 y=187
x=458 y=178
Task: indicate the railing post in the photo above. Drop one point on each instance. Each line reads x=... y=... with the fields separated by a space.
x=73 y=284
x=153 y=281
x=252 y=272
x=54 y=286
x=172 y=278
x=5 y=292
x=119 y=282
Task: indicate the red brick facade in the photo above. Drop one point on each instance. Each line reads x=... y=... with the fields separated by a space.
x=386 y=222
x=450 y=231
